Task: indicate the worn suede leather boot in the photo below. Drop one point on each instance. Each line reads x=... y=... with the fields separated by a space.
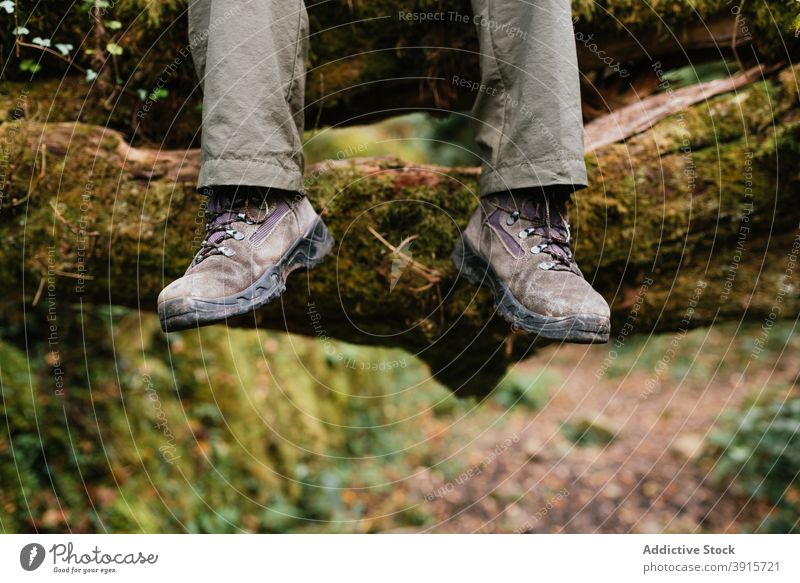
x=518 y=243
x=254 y=239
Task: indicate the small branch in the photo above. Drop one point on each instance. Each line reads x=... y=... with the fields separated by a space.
x=38 y=295
x=432 y=276
x=641 y=116
x=43 y=169
x=70 y=62
x=73 y=275
x=71 y=227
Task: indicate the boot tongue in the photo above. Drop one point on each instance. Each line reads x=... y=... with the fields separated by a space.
x=225 y=203
x=224 y=200
x=236 y=198
x=535 y=208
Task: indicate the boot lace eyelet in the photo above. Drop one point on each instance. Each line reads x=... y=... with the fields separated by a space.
x=245 y=218
x=547 y=265
x=227 y=251
x=513 y=218
x=235 y=234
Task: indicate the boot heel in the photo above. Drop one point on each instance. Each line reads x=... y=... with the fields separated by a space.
x=316 y=244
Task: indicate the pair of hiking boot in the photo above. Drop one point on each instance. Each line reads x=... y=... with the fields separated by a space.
x=518 y=243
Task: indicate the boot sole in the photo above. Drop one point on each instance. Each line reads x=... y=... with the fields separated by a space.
x=579 y=328
x=306 y=253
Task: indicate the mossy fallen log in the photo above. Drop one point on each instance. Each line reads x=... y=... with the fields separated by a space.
x=692 y=222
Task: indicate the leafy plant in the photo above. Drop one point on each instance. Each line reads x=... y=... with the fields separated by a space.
x=588 y=432
x=530 y=392
x=759 y=451
x=30 y=65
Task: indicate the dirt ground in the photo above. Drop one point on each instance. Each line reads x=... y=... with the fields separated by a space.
x=653 y=476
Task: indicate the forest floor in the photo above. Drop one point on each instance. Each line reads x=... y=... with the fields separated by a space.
x=641 y=466
x=577 y=439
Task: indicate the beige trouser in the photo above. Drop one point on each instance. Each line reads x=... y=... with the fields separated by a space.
x=251 y=54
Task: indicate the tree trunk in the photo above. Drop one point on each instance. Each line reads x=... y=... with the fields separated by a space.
x=691 y=222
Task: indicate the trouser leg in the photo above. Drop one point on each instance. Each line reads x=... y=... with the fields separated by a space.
x=250 y=57
x=528 y=114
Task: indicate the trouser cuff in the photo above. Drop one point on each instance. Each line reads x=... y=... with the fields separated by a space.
x=534 y=174
x=284 y=175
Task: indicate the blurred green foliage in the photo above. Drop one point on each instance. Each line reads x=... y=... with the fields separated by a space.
x=415 y=137
x=588 y=432
x=530 y=392
x=699 y=73
x=214 y=431
x=758 y=452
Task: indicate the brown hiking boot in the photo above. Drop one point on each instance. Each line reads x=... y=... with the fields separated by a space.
x=254 y=240
x=519 y=244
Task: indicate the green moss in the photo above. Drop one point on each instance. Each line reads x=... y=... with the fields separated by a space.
x=165 y=428
x=648 y=200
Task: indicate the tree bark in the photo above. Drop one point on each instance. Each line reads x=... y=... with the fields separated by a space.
x=691 y=222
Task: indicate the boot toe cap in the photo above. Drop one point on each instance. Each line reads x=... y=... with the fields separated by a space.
x=595 y=305
x=179 y=289
x=567 y=296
